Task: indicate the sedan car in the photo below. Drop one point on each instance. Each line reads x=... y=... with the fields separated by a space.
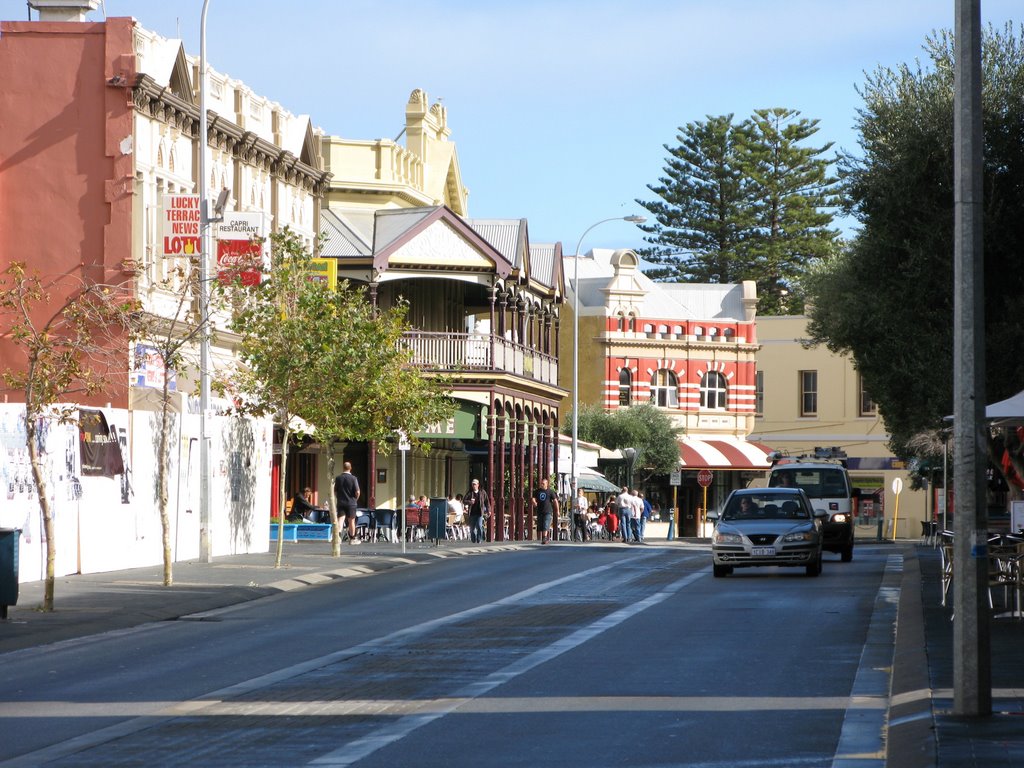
x=767 y=526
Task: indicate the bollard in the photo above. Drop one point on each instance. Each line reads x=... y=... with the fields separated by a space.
x=671 y=523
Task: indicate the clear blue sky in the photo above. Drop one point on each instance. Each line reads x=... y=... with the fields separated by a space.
x=559 y=108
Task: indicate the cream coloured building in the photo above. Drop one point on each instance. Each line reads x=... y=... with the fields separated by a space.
x=808 y=397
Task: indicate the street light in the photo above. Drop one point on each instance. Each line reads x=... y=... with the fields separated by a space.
x=576 y=340
x=205 y=533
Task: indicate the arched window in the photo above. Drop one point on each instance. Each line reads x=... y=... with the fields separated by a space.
x=713 y=391
x=625 y=387
x=664 y=389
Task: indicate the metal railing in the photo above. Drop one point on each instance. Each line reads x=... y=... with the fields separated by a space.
x=473 y=352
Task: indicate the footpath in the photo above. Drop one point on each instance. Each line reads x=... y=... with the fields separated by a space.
x=923 y=731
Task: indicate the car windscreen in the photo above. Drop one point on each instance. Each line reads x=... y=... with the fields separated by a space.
x=818 y=483
x=766 y=506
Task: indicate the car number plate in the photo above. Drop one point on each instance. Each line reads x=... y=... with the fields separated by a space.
x=762 y=552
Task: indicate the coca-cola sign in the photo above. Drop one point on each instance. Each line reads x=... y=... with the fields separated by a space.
x=240 y=248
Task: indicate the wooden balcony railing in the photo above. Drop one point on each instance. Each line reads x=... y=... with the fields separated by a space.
x=458 y=352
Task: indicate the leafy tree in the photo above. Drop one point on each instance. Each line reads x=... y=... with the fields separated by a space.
x=327 y=357
x=745 y=202
x=71 y=346
x=703 y=215
x=643 y=427
x=888 y=301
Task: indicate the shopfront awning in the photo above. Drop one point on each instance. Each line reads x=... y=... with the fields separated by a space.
x=595 y=483
x=723 y=453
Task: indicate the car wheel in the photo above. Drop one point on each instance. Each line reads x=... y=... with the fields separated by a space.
x=721 y=570
x=814 y=569
x=847 y=553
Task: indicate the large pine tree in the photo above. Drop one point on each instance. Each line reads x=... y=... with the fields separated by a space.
x=744 y=202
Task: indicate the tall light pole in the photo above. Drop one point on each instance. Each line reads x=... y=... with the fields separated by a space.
x=576 y=340
x=205 y=538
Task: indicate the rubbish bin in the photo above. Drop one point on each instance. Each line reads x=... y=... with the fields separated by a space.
x=436 y=530
x=9 y=538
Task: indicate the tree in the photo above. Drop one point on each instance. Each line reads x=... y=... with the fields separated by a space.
x=703 y=216
x=325 y=356
x=643 y=427
x=170 y=338
x=71 y=346
x=888 y=301
x=745 y=202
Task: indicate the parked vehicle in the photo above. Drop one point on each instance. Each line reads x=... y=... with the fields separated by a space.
x=767 y=527
x=824 y=479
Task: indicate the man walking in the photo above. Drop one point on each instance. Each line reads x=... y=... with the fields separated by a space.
x=625 y=509
x=346 y=494
x=545 y=507
x=478 y=504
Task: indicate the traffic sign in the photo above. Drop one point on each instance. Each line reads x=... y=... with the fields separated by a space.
x=704 y=478
x=897 y=485
x=675 y=477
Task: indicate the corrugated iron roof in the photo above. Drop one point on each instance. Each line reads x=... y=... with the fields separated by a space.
x=342 y=240
x=505 y=235
x=389 y=225
x=542 y=263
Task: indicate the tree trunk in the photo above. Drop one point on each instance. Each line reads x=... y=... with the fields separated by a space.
x=44 y=508
x=161 y=478
x=282 y=494
x=332 y=505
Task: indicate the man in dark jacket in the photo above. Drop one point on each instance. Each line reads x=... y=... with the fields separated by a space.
x=478 y=504
x=346 y=494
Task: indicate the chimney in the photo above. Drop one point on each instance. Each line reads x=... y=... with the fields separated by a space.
x=64 y=10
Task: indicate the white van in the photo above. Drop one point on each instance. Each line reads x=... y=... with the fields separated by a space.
x=824 y=479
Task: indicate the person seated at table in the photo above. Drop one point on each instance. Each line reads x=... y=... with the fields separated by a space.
x=303 y=509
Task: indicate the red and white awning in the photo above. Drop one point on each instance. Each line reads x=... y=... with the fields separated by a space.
x=723 y=453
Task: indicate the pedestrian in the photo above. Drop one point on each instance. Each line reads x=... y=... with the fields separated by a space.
x=478 y=504
x=346 y=496
x=645 y=516
x=303 y=509
x=580 y=516
x=545 y=508
x=624 y=509
x=636 y=508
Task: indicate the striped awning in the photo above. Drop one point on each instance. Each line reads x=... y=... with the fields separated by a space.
x=722 y=453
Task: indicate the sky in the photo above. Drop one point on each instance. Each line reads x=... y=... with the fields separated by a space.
x=560 y=109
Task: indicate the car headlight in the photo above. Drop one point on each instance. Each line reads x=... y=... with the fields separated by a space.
x=798 y=536
x=727 y=538
x=842 y=517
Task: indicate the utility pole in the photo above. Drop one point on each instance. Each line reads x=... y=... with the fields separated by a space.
x=972 y=662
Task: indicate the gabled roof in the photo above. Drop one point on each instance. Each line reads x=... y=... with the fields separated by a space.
x=166 y=63
x=432 y=238
x=341 y=239
x=509 y=236
x=546 y=264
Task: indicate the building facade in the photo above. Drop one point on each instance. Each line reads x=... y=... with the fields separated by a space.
x=93 y=146
x=807 y=398
x=687 y=349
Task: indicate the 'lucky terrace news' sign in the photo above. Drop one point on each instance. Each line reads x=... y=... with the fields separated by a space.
x=181 y=225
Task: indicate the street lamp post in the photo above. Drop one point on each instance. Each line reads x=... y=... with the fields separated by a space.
x=205 y=534
x=576 y=341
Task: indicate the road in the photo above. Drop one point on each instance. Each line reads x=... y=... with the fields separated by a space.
x=562 y=655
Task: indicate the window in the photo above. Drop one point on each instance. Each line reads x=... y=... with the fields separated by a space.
x=808 y=393
x=867 y=405
x=625 y=387
x=664 y=389
x=713 y=391
x=759 y=393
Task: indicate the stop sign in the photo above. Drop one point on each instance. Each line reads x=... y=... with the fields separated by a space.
x=704 y=478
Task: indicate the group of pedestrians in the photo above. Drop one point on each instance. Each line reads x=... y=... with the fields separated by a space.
x=633 y=513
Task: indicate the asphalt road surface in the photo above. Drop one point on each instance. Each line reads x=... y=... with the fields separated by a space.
x=551 y=656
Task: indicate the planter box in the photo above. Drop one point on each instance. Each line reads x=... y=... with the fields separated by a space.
x=303 y=531
x=289 y=531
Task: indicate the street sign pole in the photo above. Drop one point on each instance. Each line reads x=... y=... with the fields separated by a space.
x=897 y=488
x=704 y=479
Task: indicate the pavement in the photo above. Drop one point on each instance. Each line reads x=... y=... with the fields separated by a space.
x=923 y=732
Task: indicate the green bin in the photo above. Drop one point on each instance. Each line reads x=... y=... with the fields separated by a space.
x=9 y=538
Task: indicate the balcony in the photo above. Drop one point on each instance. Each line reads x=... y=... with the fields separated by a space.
x=472 y=352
